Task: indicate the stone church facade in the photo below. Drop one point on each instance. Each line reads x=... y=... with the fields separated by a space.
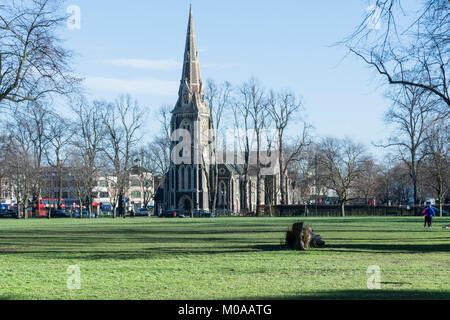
x=190 y=178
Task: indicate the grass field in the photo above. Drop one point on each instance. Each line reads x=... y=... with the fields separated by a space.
x=223 y=258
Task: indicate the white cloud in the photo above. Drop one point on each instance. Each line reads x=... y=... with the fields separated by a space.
x=164 y=64
x=132 y=86
x=218 y=66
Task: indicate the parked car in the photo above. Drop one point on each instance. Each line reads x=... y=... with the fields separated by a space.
x=173 y=214
x=85 y=214
x=202 y=213
x=59 y=213
x=8 y=214
x=12 y=212
x=142 y=212
x=432 y=201
x=106 y=208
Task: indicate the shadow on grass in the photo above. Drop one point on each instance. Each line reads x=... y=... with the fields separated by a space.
x=388 y=248
x=11 y=297
x=177 y=249
x=381 y=294
x=131 y=232
x=142 y=253
x=147 y=241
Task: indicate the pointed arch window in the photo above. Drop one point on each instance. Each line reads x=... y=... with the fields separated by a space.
x=222 y=193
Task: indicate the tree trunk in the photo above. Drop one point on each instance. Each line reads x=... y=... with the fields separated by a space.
x=60 y=187
x=280 y=163
x=244 y=192
x=81 y=208
x=25 y=208
x=18 y=210
x=342 y=208
x=215 y=188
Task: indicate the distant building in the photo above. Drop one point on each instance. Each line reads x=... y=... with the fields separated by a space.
x=140 y=188
x=6 y=191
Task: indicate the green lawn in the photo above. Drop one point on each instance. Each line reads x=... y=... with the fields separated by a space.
x=222 y=258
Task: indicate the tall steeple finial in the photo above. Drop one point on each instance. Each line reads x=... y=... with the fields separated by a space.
x=191 y=82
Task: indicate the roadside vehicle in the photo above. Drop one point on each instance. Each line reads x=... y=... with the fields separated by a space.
x=8 y=214
x=173 y=214
x=142 y=212
x=3 y=207
x=85 y=213
x=12 y=211
x=106 y=208
x=59 y=213
x=201 y=213
x=44 y=205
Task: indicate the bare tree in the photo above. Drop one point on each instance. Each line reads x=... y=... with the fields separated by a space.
x=250 y=110
x=307 y=172
x=367 y=179
x=160 y=146
x=283 y=109
x=20 y=163
x=27 y=123
x=87 y=140
x=258 y=113
x=438 y=159
x=242 y=125
x=402 y=188
x=217 y=97
x=78 y=163
x=407 y=47
x=122 y=121
x=384 y=181
x=3 y=160
x=146 y=169
x=412 y=113
x=58 y=134
x=32 y=61
x=339 y=161
x=157 y=152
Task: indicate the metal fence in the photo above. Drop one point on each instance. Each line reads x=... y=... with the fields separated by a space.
x=350 y=210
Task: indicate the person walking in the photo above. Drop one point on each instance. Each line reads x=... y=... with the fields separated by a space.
x=429 y=213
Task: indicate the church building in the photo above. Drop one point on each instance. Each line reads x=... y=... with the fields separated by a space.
x=190 y=180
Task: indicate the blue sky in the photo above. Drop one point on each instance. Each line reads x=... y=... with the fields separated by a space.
x=137 y=46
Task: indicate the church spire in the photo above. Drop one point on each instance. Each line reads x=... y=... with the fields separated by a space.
x=191 y=82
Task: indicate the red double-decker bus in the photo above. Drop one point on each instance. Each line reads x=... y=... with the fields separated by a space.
x=44 y=205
